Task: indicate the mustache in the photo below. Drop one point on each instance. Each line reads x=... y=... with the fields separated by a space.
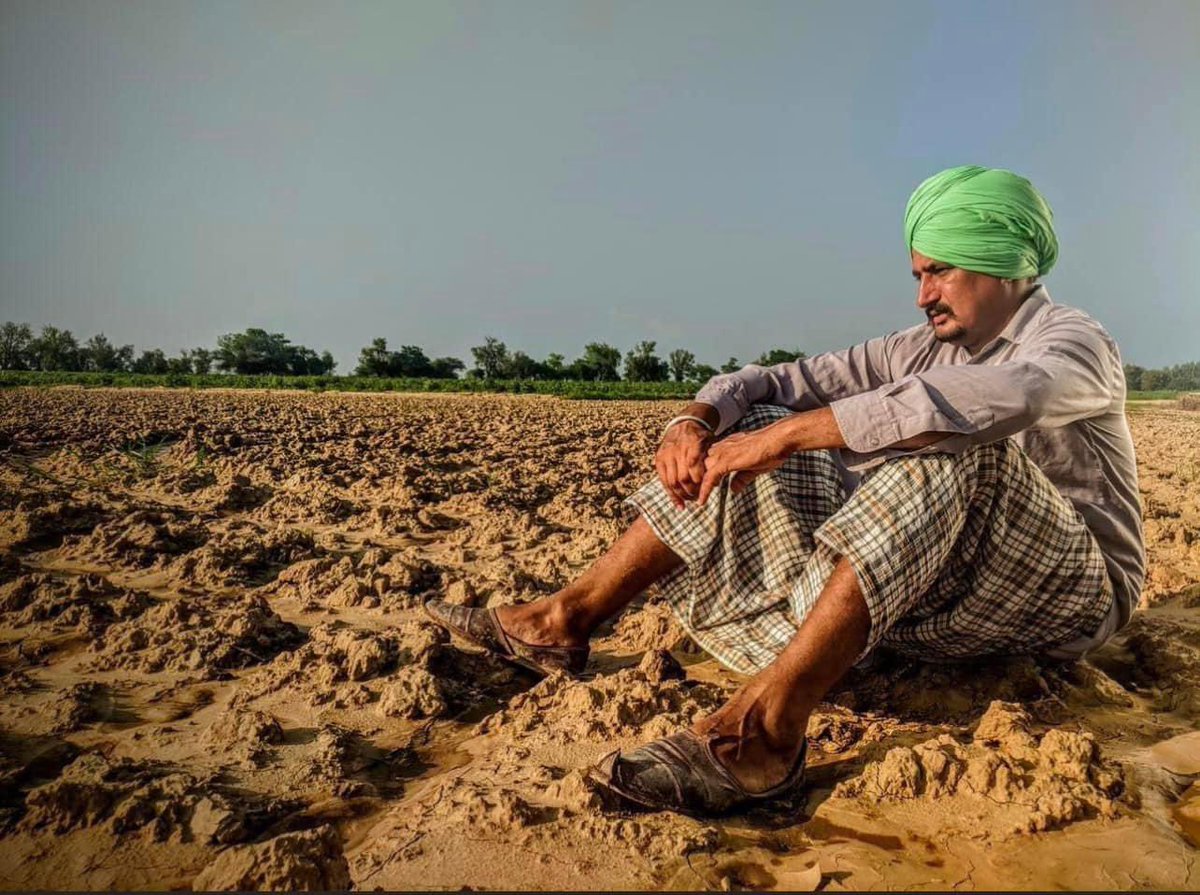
x=938 y=309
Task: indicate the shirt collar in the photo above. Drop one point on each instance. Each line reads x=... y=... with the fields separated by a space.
x=1026 y=313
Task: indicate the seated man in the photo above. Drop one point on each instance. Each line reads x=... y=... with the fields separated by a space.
x=963 y=488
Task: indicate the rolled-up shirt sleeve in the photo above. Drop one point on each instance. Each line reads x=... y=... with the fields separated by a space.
x=1068 y=371
x=803 y=384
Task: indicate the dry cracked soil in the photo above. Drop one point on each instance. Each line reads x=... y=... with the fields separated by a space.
x=216 y=674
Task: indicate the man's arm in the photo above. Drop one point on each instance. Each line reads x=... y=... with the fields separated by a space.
x=750 y=454
x=803 y=384
x=1068 y=370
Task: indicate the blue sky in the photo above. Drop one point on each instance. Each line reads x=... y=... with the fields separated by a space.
x=723 y=177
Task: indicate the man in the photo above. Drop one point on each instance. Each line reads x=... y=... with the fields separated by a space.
x=963 y=488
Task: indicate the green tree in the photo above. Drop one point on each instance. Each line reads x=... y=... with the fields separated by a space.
x=780 y=356
x=102 y=356
x=201 y=360
x=1184 y=377
x=521 y=366
x=152 y=361
x=731 y=366
x=703 y=372
x=15 y=339
x=55 y=349
x=181 y=365
x=643 y=365
x=491 y=358
x=410 y=360
x=1133 y=376
x=446 y=367
x=373 y=360
x=600 y=363
x=1153 y=380
x=257 y=351
x=682 y=363
x=253 y=352
x=555 y=367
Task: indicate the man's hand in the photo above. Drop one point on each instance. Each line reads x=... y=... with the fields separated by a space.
x=680 y=460
x=746 y=455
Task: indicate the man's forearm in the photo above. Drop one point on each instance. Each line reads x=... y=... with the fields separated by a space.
x=706 y=412
x=816 y=430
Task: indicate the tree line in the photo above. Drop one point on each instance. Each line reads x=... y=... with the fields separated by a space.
x=258 y=352
x=1179 y=378
x=600 y=362
x=255 y=351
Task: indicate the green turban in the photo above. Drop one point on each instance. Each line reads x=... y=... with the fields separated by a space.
x=987 y=220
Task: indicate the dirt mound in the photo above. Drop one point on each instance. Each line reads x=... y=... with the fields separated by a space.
x=940 y=693
x=190 y=635
x=139 y=540
x=651 y=627
x=147 y=798
x=378 y=580
x=85 y=603
x=247 y=555
x=40 y=518
x=1044 y=782
x=246 y=734
x=413 y=692
x=307 y=497
x=78 y=705
x=330 y=667
x=309 y=861
x=1158 y=655
x=625 y=704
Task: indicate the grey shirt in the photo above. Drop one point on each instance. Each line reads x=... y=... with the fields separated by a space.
x=1051 y=381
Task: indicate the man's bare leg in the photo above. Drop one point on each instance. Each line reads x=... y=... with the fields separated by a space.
x=568 y=618
x=766 y=720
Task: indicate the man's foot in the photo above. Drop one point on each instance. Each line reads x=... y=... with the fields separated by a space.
x=542 y=622
x=483 y=628
x=757 y=736
x=682 y=773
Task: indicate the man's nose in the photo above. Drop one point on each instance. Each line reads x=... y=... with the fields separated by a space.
x=927 y=293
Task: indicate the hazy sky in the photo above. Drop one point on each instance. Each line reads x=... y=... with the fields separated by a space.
x=724 y=177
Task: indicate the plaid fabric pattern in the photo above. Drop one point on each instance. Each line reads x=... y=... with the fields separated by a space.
x=958 y=556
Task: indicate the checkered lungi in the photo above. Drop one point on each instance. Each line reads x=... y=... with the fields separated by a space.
x=957 y=555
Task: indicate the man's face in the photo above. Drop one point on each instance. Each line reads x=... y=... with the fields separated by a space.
x=963 y=307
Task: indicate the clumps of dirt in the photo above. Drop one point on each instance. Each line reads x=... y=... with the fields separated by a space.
x=625 y=704
x=939 y=693
x=246 y=555
x=1159 y=655
x=307 y=497
x=413 y=693
x=38 y=518
x=1046 y=782
x=237 y=492
x=78 y=705
x=331 y=666
x=307 y=861
x=377 y=580
x=246 y=734
x=147 y=798
x=85 y=603
x=139 y=540
x=198 y=636
x=651 y=627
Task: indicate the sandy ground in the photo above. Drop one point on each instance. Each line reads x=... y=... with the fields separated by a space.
x=215 y=672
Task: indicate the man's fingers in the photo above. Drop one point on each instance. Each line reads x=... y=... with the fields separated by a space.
x=664 y=476
x=712 y=476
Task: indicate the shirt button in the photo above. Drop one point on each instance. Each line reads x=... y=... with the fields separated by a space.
x=872 y=441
